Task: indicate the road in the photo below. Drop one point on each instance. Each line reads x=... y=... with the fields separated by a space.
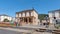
x=9 y=32
x=19 y=30
x=29 y=27
x=2 y=31
x=14 y=32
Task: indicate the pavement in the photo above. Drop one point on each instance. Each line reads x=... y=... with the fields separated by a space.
x=33 y=26
x=28 y=27
x=39 y=26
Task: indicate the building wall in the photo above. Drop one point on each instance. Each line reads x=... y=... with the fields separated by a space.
x=57 y=14
x=33 y=13
x=6 y=17
x=51 y=20
x=19 y=15
x=44 y=21
x=27 y=14
x=52 y=15
x=23 y=14
x=36 y=17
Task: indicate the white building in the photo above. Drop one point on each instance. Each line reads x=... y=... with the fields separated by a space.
x=27 y=17
x=3 y=16
x=52 y=14
x=44 y=21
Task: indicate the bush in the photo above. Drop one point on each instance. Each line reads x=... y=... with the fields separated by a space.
x=57 y=26
x=6 y=20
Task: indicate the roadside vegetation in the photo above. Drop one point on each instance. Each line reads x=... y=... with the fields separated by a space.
x=42 y=16
x=6 y=20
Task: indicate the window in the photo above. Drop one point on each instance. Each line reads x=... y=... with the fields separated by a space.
x=25 y=19
x=21 y=14
x=29 y=13
x=25 y=13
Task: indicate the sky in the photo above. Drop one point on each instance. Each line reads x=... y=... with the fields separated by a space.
x=10 y=7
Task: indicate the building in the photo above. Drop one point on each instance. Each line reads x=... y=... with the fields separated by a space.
x=27 y=17
x=3 y=16
x=44 y=21
x=54 y=13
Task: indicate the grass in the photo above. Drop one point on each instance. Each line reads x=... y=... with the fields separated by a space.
x=57 y=26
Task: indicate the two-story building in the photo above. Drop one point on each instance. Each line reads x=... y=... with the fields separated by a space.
x=54 y=13
x=27 y=17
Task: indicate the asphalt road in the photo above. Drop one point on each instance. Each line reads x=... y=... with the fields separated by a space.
x=9 y=32
x=14 y=32
x=25 y=28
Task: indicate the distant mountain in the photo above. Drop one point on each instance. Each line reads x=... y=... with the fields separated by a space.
x=42 y=16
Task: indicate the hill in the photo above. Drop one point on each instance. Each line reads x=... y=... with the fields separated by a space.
x=42 y=16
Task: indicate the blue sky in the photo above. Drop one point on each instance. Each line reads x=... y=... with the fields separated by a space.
x=10 y=7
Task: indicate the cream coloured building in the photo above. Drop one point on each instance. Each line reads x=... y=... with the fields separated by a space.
x=29 y=17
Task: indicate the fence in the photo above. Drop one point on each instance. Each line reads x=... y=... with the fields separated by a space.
x=7 y=24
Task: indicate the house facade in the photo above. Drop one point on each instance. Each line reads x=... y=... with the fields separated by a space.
x=27 y=17
x=52 y=14
x=3 y=16
x=44 y=21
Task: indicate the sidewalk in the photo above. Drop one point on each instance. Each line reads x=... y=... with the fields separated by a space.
x=33 y=26
x=39 y=26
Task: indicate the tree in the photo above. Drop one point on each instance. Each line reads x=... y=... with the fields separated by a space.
x=42 y=16
x=5 y=20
